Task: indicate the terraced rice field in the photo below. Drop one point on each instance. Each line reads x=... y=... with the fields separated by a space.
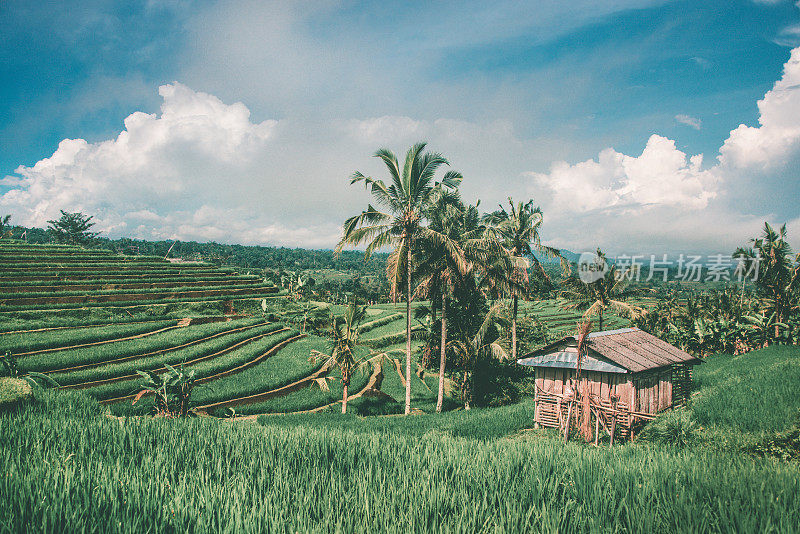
x=247 y=364
x=561 y=321
x=58 y=277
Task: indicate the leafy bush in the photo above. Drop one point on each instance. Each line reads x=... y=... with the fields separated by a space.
x=13 y=391
x=497 y=383
x=675 y=428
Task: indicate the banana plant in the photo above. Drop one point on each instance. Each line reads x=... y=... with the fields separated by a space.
x=485 y=343
x=172 y=390
x=763 y=325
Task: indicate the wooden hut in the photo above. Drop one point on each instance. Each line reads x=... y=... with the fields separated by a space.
x=628 y=375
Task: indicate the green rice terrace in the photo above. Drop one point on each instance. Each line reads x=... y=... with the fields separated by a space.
x=267 y=449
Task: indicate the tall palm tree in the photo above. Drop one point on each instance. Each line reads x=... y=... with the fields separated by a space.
x=608 y=294
x=519 y=227
x=407 y=198
x=345 y=338
x=441 y=268
x=778 y=277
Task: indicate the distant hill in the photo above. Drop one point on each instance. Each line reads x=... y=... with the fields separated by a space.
x=571 y=257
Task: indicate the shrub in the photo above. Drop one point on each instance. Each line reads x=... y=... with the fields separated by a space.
x=675 y=428
x=497 y=383
x=13 y=391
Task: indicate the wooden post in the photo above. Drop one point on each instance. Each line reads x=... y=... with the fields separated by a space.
x=596 y=429
x=566 y=426
x=614 y=400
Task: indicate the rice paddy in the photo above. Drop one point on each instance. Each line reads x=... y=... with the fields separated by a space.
x=66 y=467
x=80 y=458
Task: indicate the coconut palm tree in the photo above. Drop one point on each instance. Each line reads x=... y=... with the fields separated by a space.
x=440 y=267
x=407 y=199
x=608 y=294
x=518 y=227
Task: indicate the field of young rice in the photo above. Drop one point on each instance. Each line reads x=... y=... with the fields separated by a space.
x=66 y=467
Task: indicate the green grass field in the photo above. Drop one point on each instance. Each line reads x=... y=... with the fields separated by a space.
x=67 y=467
x=68 y=463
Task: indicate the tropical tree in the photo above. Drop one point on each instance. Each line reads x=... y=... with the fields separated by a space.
x=518 y=227
x=450 y=263
x=73 y=228
x=746 y=260
x=605 y=295
x=5 y=226
x=483 y=344
x=762 y=325
x=308 y=315
x=779 y=276
x=407 y=199
x=172 y=390
x=345 y=332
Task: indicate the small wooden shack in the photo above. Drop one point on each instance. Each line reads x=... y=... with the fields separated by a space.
x=628 y=374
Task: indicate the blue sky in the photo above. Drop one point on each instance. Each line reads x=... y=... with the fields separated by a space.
x=506 y=91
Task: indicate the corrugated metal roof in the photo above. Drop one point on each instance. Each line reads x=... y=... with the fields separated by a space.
x=569 y=360
x=631 y=348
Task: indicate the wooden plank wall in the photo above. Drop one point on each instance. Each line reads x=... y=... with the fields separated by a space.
x=649 y=392
x=653 y=391
x=602 y=385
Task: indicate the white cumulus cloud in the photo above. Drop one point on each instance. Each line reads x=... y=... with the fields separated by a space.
x=663 y=198
x=205 y=169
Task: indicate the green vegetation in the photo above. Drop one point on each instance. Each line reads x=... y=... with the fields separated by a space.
x=72 y=228
x=13 y=391
x=48 y=340
x=725 y=462
x=205 y=347
x=96 y=355
x=749 y=393
x=67 y=466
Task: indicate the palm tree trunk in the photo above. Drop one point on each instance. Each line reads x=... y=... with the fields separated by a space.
x=514 y=329
x=344 y=399
x=408 y=331
x=600 y=326
x=442 y=358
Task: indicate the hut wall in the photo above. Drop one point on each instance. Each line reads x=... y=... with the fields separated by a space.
x=653 y=391
x=681 y=379
x=602 y=385
x=551 y=409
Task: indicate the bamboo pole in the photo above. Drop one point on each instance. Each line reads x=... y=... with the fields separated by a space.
x=566 y=427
